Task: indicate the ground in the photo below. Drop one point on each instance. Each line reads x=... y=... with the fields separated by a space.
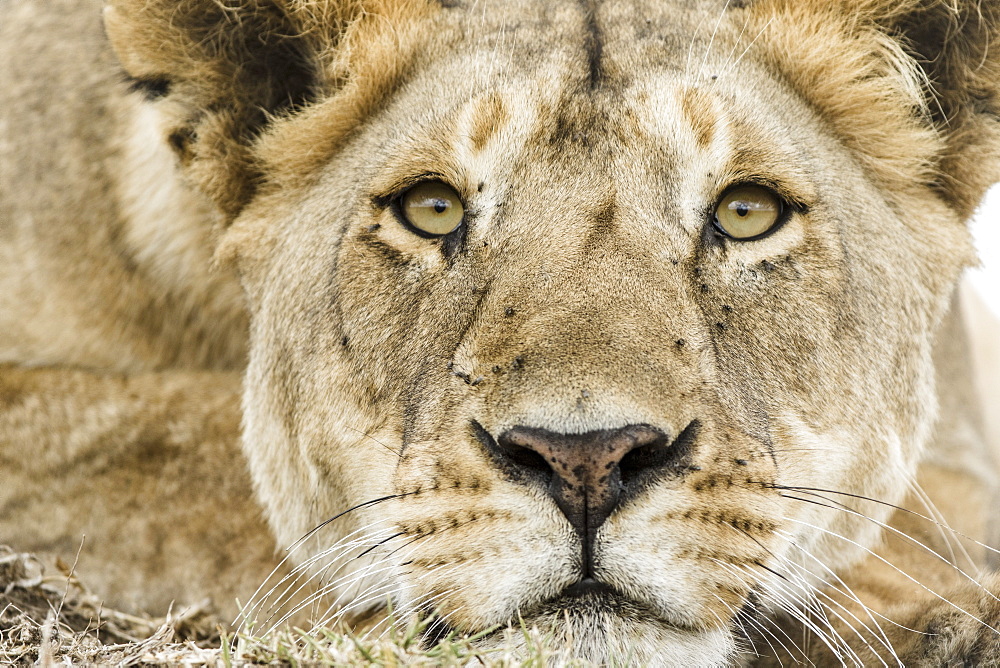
x=51 y=619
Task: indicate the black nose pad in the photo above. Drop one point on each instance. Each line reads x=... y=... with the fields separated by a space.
x=586 y=473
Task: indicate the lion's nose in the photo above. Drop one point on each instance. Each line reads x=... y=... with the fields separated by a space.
x=586 y=473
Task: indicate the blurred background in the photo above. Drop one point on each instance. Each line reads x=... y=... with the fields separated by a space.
x=986 y=229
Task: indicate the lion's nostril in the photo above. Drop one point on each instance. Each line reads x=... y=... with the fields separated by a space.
x=584 y=473
x=518 y=462
x=638 y=461
x=649 y=459
x=526 y=457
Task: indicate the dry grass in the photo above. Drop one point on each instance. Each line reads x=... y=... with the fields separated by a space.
x=49 y=619
x=54 y=620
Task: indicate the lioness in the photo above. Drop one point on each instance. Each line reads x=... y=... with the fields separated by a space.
x=617 y=317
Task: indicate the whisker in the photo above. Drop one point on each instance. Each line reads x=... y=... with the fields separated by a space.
x=817 y=592
x=711 y=42
x=364 y=504
x=851 y=511
x=423 y=602
x=400 y=586
x=746 y=50
x=351 y=579
x=793 y=488
x=381 y=543
x=760 y=625
x=898 y=570
x=379 y=591
x=733 y=613
x=384 y=592
x=805 y=584
x=746 y=638
x=342 y=545
x=398 y=453
x=345 y=582
x=736 y=44
x=802 y=602
x=694 y=38
x=946 y=537
x=849 y=593
x=846 y=589
x=741 y=571
x=817 y=606
x=793 y=610
x=829 y=636
x=341 y=548
x=738 y=616
x=290 y=550
x=404 y=610
x=427 y=535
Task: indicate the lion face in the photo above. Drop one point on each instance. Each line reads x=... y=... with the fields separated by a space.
x=590 y=405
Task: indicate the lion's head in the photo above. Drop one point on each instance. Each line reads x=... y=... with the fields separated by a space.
x=566 y=300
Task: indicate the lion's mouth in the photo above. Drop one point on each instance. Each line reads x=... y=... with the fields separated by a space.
x=591 y=597
x=587 y=593
x=587 y=598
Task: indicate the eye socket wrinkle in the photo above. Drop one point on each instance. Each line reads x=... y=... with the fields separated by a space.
x=385 y=197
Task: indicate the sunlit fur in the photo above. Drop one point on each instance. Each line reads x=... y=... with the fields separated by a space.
x=822 y=371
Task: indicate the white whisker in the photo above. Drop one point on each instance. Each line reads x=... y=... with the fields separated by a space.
x=900 y=571
x=949 y=537
x=736 y=44
x=944 y=525
x=711 y=42
x=746 y=50
x=843 y=508
x=828 y=636
x=288 y=594
x=831 y=607
x=878 y=632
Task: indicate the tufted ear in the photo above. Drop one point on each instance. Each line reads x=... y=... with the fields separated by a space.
x=912 y=85
x=956 y=43
x=225 y=72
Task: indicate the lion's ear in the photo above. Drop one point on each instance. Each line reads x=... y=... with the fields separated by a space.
x=226 y=66
x=957 y=45
x=913 y=86
x=229 y=70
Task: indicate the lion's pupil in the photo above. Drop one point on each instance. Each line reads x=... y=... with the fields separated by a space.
x=742 y=210
x=440 y=205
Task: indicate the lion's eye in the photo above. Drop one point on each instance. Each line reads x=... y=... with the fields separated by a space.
x=433 y=208
x=747 y=212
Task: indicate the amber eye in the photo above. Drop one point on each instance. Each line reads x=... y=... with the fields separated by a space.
x=748 y=212
x=432 y=208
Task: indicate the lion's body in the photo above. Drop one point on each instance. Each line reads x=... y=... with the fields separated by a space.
x=122 y=423
x=793 y=376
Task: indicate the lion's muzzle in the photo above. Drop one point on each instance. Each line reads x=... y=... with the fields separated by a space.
x=588 y=475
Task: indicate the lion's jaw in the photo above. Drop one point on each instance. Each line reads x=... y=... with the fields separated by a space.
x=588 y=293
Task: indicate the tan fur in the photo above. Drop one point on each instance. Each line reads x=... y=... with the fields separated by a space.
x=699 y=112
x=820 y=377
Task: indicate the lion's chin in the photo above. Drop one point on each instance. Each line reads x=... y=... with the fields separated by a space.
x=592 y=621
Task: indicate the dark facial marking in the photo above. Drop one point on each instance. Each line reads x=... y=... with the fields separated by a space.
x=151 y=88
x=489 y=116
x=604 y=224
x=180 y=141
x=386 y=252
x=593 y=41
x=697 y=108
